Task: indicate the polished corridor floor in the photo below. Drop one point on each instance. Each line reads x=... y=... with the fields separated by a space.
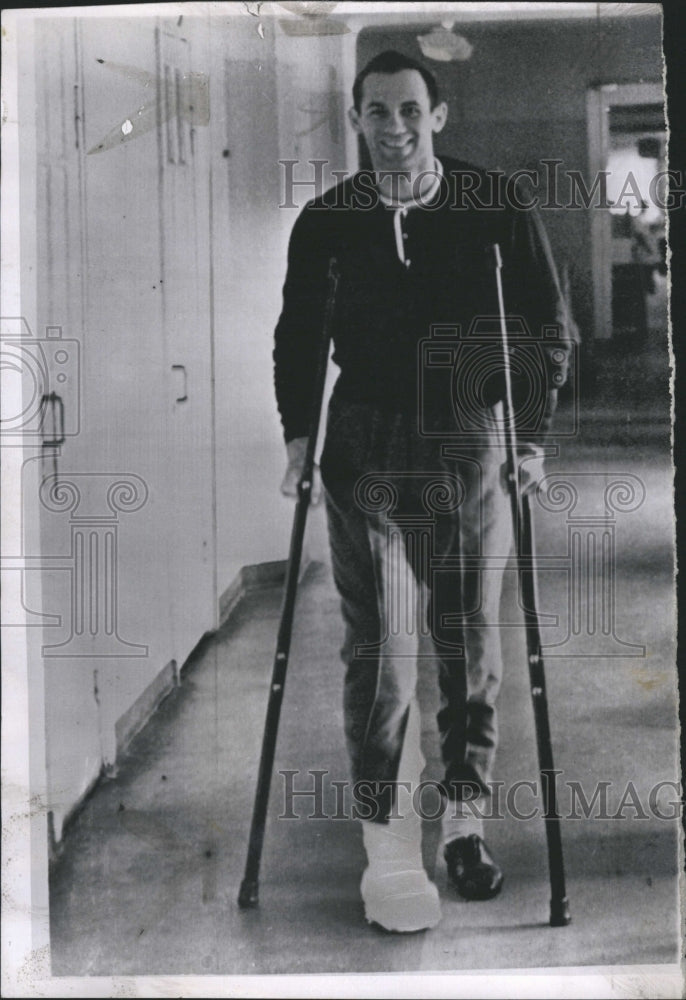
x=148 y=878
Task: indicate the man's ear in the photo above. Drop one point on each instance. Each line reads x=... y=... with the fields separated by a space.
x=354 y=119
x=440 y=116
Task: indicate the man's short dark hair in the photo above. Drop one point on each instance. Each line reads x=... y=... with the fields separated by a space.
x=390 y=62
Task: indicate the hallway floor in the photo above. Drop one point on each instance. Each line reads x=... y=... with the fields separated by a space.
x=148 y=878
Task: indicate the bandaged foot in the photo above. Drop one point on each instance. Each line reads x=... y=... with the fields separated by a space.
x=396 y=891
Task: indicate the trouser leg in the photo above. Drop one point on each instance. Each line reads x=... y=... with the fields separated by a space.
x=376 y=585
x=466 y=606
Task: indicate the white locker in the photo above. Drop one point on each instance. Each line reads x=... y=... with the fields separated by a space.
x=126 y=498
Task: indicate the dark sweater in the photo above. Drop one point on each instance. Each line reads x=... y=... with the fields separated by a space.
x=384 y=310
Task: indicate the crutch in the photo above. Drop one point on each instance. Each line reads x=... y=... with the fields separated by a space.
x=524 y=541
x=248 y=895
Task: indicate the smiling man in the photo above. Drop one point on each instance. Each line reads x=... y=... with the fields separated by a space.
x=407 y=458
x=398 y=115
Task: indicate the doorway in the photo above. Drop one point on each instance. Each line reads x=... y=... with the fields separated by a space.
x=627 y=144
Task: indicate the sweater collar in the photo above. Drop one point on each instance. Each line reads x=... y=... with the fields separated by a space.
x=424 y=199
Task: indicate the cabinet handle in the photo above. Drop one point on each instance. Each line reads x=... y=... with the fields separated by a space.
x=56 y=404
x=182 y=368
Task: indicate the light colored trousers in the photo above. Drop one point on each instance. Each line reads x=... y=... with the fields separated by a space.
x=407 y=519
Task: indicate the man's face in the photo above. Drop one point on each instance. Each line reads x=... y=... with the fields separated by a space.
x=397 y=121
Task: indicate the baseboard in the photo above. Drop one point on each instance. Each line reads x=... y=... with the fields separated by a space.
x=54 y=845
x=252 y=577
x=137 y=715
x=127 y=726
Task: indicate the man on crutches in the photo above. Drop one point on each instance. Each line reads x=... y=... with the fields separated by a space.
x=415 y=259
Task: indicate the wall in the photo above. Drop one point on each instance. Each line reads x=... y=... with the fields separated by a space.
x=275 y=96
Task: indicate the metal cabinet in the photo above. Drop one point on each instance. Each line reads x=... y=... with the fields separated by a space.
x=125 y=493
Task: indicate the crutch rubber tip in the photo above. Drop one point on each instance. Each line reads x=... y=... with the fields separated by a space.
x=248 y=896
x=559 y=912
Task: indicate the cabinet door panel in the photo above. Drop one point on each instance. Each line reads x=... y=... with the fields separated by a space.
x=185 y=206
x=125 y=500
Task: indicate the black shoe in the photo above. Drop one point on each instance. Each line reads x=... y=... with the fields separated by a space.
x=471 y=868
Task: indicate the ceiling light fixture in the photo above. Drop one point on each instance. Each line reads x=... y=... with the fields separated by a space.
x=444 y=45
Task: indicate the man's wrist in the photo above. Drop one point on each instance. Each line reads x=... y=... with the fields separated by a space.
x=295 y=449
